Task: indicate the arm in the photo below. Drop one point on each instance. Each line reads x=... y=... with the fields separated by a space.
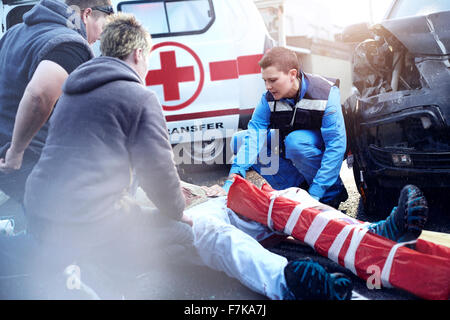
x=252 y=142
x=254 y=139
x=152 y=156
x=334 y=137
x=35 y=107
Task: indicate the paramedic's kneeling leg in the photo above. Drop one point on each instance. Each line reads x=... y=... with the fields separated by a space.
x=298 y=168
x=306 y=111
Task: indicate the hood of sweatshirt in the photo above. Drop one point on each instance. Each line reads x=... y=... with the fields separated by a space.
x=98 y=72
x=54 y=11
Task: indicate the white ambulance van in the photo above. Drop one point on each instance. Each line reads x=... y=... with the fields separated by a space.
x=204 y=67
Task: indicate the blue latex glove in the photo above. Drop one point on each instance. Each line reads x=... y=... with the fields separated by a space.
x=227 y=185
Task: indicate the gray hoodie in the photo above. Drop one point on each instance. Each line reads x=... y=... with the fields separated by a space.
x=105 y=126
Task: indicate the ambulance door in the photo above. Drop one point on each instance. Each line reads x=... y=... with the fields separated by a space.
x=2 y=21
x=12 y=13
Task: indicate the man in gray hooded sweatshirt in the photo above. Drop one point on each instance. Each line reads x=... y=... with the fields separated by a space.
x=106 y=126
x=36 y=57
x=106 y=129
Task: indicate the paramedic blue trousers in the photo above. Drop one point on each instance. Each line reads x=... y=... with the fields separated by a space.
x=303 y=151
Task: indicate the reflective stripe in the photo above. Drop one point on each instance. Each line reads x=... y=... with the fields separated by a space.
x=336 y=246
x=317 y=226
x=281 y=106
x=386 y=272
x=293 y=218
x=275 y=194
x=305 y=104
x=269 y=213
x=317 y=105
x=349 y=260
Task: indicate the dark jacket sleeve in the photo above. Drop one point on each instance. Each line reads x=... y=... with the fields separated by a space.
x=152 y=158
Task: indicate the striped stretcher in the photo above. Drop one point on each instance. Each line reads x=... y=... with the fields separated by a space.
x=423 y=271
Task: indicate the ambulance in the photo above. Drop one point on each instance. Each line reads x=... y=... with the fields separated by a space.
x=204 y=67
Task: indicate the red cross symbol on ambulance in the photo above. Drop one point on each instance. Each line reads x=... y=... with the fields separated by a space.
x=171 y=76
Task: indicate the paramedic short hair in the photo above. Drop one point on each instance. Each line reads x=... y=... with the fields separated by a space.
x=123 y=34
x=281 y=58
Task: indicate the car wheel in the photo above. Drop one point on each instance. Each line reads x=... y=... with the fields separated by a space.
x=214 y=152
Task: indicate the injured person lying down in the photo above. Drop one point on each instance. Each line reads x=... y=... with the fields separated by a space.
x=228 y=231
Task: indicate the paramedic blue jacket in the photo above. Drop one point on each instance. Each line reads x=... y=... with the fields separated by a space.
x=332 y=131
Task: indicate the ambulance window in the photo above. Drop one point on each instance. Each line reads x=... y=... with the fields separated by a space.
x=185 y=16
x=151 y=15
x=15 y=15
x=163 y=18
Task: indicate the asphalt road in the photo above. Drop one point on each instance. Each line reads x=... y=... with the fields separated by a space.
x=439 y=220
x=202 y=283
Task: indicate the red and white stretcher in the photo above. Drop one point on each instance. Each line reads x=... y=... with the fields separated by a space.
x=423 y=271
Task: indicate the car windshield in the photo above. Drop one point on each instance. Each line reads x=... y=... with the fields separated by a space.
x=408 y=8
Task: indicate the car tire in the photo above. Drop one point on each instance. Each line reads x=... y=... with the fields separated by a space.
x=194 y=156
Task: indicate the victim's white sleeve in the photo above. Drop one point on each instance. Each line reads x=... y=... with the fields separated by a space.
x=227 y=243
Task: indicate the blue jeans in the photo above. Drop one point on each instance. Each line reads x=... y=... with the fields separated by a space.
x=303 y=156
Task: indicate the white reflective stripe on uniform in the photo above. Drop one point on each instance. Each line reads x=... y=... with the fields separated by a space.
x=293 y=218
x=349 y=260
x=318 y=224
x=281 y=106
x=386 y=272
x=307 y=104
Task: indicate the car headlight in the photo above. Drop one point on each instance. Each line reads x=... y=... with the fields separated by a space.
x=401 y=159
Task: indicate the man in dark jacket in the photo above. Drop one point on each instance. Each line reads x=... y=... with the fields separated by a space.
x=306 y=112
x=36 y=57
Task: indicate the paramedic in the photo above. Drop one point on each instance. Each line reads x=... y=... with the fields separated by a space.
x=305 y=110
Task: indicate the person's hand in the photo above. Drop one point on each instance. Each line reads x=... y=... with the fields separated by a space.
x=12 y=161
x=186 y=219
x=227 y=185
x=229 y=182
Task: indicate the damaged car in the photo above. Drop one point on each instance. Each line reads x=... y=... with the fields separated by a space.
x=398 y=119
